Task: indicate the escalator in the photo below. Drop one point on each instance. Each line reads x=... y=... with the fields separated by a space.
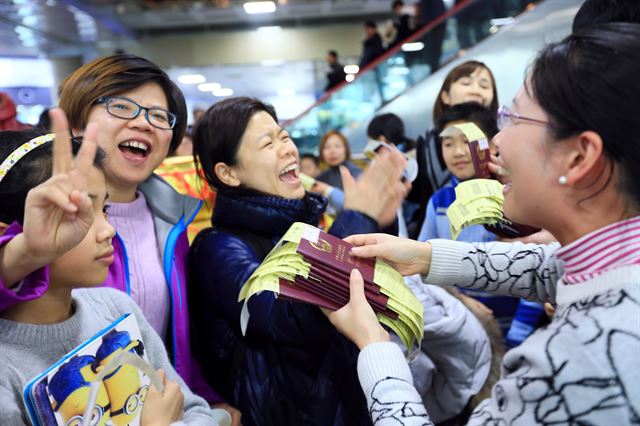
x=406 y=79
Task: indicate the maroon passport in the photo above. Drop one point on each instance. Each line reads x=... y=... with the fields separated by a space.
x=504 y=228
x=481 y=159
x=328 y=282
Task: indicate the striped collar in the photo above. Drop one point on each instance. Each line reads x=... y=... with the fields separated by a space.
x=608 y=248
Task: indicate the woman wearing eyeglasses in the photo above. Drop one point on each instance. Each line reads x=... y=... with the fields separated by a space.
x=142 y=115
x=572 y=147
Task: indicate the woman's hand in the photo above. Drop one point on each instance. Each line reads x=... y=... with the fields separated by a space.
x=406 y=256
x=163 y=408
x=356 y=320
x=379 y=191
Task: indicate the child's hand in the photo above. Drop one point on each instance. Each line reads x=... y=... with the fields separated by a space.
x=58 y=212
x=356 y=320
x=163 y=408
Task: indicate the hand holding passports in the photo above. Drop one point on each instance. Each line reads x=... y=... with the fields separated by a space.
x=311 y=266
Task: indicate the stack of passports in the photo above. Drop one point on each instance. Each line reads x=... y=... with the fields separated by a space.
x=311 y=266
x=479 y=201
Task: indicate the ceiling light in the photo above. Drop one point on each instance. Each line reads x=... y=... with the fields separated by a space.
x=208 y=87
x=270 y=29
x=222 y=92
x=350 y=77
x=351 y=69
x=271 y=62
x=413 y=47
x=286 y=92
x=192 y=79
x=255 y=7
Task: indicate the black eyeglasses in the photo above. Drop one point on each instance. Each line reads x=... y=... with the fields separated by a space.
x=128 y=110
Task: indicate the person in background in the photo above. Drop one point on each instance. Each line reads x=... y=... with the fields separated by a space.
x=371 y=46
x=571 y=145
x=310 y=165
x=335 y=152
x=8 y=114
x=429 y=10
x=335 y=70
x=471 y=81
x=402 y=24
x=197 y=114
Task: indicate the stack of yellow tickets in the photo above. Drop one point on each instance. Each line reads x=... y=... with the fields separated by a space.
x=310 y=266
x=478 y=201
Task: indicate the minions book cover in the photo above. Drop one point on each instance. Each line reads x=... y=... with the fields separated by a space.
x=59 y=396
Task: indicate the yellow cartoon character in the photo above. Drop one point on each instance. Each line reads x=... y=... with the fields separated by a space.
x=70 y=387
x=126 y=394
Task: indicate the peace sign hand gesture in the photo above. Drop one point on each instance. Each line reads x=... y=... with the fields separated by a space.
x=58 y=212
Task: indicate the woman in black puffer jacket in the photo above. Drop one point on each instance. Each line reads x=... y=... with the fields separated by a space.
x=291 y=367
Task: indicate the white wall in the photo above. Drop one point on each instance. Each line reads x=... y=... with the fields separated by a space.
x=249 y=46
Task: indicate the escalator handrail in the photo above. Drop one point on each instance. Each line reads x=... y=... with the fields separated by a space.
x=369 y=67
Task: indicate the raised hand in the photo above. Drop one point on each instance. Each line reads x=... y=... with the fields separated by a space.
x=406 y=256
x=379 y=191
x=58 y=212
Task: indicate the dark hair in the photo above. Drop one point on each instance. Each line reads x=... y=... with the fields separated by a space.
x=391 y=127
x=114 y=75
x=465 y=69
x=333 y=53
x=370 y=24
x=396 y=4
x=32 y=170
x=470 y=112
x=589 y=81
x=326 y=137
x=311 y=157
x=593 y=12
x=44 y=121
x=217 y=135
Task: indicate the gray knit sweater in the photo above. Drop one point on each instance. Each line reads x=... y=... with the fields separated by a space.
x=26 y=350
x=583 y=368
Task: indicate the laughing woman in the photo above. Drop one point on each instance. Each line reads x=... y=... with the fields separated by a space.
x=291 y=367
x=142 y=114
x=571 y=143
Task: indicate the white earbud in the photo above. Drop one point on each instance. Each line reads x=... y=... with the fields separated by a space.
x=562 y=180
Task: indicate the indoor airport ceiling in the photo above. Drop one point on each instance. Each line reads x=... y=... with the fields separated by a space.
x=71 y=27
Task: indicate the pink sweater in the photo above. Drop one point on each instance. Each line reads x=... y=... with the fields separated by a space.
x=134 y=223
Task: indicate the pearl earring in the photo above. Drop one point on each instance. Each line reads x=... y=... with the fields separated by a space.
x=562 y=180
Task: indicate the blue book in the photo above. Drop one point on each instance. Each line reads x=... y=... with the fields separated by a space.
x=60 y=395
